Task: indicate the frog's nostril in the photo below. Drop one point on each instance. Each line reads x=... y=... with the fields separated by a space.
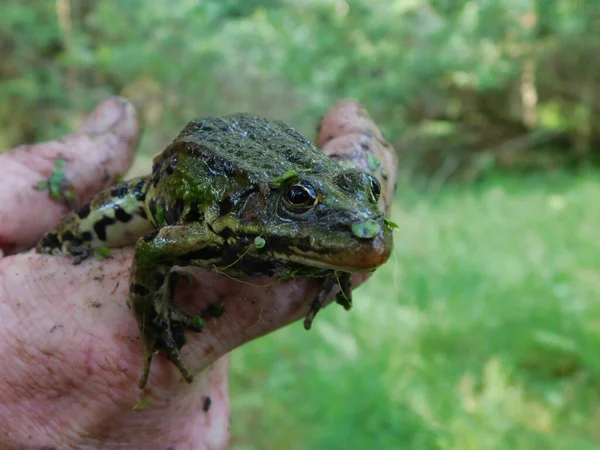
x=367 y=229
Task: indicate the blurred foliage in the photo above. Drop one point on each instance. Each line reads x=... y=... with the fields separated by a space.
x=460 y=86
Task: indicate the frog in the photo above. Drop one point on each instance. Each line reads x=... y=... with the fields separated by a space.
x=240 y=194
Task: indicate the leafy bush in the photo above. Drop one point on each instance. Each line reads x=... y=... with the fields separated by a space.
x=460 y=87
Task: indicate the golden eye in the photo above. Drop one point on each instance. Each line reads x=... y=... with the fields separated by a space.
x=375 y=188
x=300 y=197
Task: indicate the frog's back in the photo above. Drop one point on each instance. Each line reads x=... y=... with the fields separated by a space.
x=262 y=148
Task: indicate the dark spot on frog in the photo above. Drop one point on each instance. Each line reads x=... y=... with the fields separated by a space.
x=139 y=191
x=155 y=178
x=194 y=214
x=150 y=236
x=54 y=327
x=173 y=212
x=226 y=233
x=142 y=213
x=225 y=206
x=119 y=191
x=138 y=289
x=171 y=165
x=86 y=236
x=206 y=404
x=121 y=215
x=205 y=253
x=95 y=304
x=153 y=208
x=100 y=227
x=51 y=241
x=84 y=211
x=70 y=237
x=364 y=147
x=255 y=266
x=157 y=166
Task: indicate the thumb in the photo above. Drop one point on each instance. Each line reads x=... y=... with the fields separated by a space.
x=94 y=155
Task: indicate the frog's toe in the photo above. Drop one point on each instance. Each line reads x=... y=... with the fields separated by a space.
x=179 y=317
x=80 y=252
x=344 y=297
x=172 y=336
x=149 y=344
x=171 y=346
x=172 y=343
x=325 y=286
x=175 y=314
x=165 y=335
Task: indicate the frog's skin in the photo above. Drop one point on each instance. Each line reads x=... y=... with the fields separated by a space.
x=222 y=183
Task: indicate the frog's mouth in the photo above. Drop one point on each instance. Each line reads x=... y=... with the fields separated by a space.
x=340 y=253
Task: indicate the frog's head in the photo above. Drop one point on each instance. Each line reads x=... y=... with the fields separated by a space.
x=328 y=220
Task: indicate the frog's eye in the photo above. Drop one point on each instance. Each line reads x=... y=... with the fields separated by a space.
x=300 y=197
x=375 y=188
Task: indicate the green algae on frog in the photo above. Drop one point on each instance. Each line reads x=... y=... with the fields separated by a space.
x=240 y=194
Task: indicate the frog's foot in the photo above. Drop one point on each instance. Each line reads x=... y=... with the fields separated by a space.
x=166 y=330
x=325 y=285
x=80 y=252
x=344 y=297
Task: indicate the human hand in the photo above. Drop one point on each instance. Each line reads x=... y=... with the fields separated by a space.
x=70 y=345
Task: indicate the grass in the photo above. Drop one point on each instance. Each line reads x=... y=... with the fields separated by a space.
x=482 y=332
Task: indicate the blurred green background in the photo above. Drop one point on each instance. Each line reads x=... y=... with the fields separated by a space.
x=483 y=330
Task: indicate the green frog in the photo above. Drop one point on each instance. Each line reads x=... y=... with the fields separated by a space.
x=239 y=194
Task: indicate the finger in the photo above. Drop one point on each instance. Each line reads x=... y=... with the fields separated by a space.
x=95 y=154
x=347 y=133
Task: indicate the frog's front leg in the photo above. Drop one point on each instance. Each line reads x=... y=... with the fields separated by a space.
x=325 y=285
x=152 y=287
x=344 y=297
